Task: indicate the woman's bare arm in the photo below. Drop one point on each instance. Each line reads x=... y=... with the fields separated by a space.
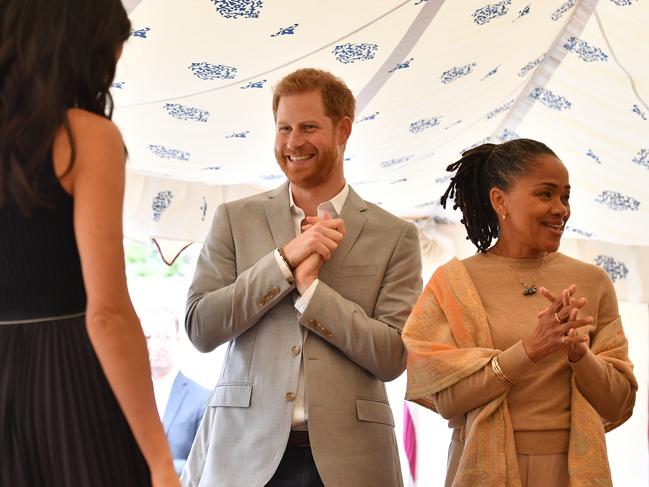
x=97 y=185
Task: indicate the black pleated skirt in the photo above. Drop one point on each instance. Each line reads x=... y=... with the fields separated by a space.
x=60 y=423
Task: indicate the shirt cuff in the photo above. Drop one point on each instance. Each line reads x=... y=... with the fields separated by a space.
x=514 y=361
x=303 y=301
x=286 y=272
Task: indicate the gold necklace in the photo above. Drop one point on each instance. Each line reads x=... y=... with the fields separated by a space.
x=528 y=289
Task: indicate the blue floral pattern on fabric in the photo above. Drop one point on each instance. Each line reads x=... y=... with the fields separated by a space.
x=558 y=13
x=453 y=124
x=254 y=84
x=118 y=84
x=423 y=124
x=207 y=71
x=456 y=73
x=623 y=3
x=636 y=109
x=489 y=12
x=509 y=135
x=490 y=73
x=403 y=65
x=500 y=109
x=475 y=144
x=550 y=100
x=616 y=269
x=234 y=9
x=585 y=51
x=578 y=231
x=642 y=158
x=617 y=201
x=211 y=168
x=161 y=202
x=238 y=135
x=203 y=208
x=140 y=32
x=351 y=53
x=523 y=12
x=425 y=204
x=182 y=112
x=530 y=66
x=285 y=31
x=168 y=153
x=397 y=181
x=593 y=156
x=367 y=118
x=272 y=177
x=394 y=162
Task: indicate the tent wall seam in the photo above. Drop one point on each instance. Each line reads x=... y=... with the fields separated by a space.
x=399 y=53
x=268 y=71
x=543 y=73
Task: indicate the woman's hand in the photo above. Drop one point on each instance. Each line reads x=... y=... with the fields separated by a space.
x=553 y=331
x=574 y=350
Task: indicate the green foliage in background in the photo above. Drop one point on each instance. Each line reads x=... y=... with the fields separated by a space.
x=143 y=260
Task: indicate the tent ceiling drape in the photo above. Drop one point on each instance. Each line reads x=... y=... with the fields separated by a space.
x=432 y=78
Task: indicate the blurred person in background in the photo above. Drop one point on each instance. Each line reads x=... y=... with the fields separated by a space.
x=180 y=400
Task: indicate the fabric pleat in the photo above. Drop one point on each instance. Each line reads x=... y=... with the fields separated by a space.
x=60 y=423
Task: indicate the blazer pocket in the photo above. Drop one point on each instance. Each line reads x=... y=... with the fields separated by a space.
x=374 y=411
x=231 y=395
x=356 y=271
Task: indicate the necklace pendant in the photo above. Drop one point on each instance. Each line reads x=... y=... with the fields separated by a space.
x=529 y=290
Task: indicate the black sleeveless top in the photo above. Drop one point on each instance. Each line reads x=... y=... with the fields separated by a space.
x=40 y=270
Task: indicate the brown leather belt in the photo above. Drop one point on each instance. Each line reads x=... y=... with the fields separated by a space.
x=298 y=438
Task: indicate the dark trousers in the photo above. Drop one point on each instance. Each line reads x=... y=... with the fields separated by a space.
x=297 y=469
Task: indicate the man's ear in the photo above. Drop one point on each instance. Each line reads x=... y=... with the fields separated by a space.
x=343 y=130
x=498 y=201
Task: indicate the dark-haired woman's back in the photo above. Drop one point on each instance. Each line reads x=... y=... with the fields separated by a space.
x=60 y=422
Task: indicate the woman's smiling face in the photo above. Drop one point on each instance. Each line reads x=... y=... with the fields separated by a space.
x=536 y=206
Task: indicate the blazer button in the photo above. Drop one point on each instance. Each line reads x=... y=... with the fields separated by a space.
x=296 y=350
x=312 y=322
x=275 y=291
x=261 y=302
x=289 y=396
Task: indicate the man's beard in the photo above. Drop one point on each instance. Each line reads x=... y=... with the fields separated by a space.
x=311 y=177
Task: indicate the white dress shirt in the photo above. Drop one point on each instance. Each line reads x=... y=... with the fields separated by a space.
x=334 y=208
x=162 y=390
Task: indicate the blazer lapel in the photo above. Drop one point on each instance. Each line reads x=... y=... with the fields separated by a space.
x=176 y=397
x=353 y=214
x=278 y=214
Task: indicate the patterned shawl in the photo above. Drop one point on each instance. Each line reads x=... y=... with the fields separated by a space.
x=448 y=339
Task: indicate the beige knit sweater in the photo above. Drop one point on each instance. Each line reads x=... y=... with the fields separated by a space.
x=539 y=399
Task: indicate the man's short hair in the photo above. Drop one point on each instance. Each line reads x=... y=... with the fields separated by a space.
x=338 y=100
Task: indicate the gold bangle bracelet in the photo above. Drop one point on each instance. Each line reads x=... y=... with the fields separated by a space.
x=499 y=372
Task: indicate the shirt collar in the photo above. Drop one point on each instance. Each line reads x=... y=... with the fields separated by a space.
x=337 y=202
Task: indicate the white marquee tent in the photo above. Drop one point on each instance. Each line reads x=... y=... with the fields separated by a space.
x=432 y=78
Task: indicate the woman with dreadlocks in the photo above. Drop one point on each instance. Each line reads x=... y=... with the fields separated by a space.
x=520 y=347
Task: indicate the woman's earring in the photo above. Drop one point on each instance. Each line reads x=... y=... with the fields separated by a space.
x=504 y=215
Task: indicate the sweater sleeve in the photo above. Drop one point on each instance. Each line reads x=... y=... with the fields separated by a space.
x=605 y=387
x=478 y=389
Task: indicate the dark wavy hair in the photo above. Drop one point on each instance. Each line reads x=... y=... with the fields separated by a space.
x=54 y=55
x=480 y=169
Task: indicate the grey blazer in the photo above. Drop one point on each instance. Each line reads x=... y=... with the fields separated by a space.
x=355 y=317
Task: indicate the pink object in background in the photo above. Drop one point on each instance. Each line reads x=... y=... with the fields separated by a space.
x=410 y=441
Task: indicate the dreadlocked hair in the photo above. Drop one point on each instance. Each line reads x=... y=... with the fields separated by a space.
x=480 y=169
